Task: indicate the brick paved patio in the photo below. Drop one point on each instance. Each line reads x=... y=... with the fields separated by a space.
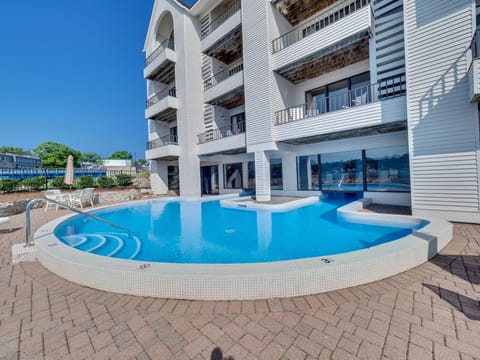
x=432 y=311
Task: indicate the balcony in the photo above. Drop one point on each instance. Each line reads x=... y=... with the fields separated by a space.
x=224 y=140
x=318 y=23
x=307 y=51
x=160 y=64
x=222 y=26
x=163 y=106
x=474 y=70
x=361 y=108
x=220 y=87
x=165 y=148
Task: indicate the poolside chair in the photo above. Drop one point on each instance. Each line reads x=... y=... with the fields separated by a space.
x=6 y=220
x=56 y=194
x=81 y=197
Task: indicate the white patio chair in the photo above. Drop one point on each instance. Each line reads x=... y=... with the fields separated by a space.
x=56 y=194
x=6 y=220
x=80 y=197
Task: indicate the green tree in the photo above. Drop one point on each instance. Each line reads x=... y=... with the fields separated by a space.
x=54 y=155
x=142 y=162
x=121 y=155
x=91 y=157
x=14 y=150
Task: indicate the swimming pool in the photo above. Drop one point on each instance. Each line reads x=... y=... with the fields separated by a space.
x=206 y=233
x=196 y=250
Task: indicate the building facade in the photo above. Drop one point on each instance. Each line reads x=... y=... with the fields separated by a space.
x=299 y=97
x=15 y=161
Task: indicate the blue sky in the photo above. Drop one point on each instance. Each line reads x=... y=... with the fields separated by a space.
x=72 y=72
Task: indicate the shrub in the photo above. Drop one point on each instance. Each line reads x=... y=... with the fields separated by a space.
x=58 y=183
x=85 y=181
x=35 y=183
x=105 y=182
x=123 y=179
x=8 y=184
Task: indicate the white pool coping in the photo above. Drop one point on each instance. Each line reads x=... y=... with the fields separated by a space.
x=248 y=203
x=245 y=281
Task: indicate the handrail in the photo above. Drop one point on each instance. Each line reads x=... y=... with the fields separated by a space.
x=162 y=95
x=384 y=89
x=162 y=141
x=166 y=44
x=28 y=241
x=220 y=19
x=220 y=133
x=319 y=22
x=223 y=74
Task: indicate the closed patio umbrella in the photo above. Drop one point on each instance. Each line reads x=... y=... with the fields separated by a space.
x=69 y=171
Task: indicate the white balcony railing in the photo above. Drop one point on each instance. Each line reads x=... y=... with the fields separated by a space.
x=219 y=20
x=318 y=23
x=357 y=97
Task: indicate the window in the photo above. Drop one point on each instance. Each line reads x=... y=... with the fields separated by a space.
x=308 y=173
x=387 y=169
x=339 y=95
x=173 y=135
x=232 y=176
x=251 y=175
x=342 y=171
x=237 y=123
x=276 y=176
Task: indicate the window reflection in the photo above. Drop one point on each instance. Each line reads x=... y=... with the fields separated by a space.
x=388 y=169
x=232 y=176
x=342 y=171
x=276 y=177
x=308 y=172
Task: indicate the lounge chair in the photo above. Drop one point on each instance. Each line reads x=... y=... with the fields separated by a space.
x=80 y=197
x=6 y=220
x=56 y=194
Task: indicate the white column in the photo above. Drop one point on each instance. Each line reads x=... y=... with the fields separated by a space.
x=262 y=176
x=159 y=177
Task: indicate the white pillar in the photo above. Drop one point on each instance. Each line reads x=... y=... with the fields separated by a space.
x=262 y=176
x=159 y=177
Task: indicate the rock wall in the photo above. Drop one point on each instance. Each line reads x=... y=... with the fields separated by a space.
x=102 y=197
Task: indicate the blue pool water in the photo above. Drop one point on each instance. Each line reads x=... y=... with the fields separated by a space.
x=204 y=232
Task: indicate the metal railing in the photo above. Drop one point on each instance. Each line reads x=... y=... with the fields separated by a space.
x=162 y=141
x=28 y=240
x=166 y=44
x=231 y=70
x=219 y=20
x=221 y=133
x=382 y=90
x=319 y=22
x=162 y=95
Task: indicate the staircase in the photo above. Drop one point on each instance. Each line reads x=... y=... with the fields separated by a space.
x=111 y=244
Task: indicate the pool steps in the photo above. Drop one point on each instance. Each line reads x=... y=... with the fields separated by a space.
x=97 y=241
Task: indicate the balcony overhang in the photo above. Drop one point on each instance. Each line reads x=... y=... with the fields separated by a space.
x=345 y=52
x=227 y=48
x=166 y=152
x=229 y=100
x=162 y=68
x=222 y=92
x=474 y=80
x=229 y=145
x=231 y=25
x=355 y=120
x=295 y=11
x=164 y=110
x=365 y=131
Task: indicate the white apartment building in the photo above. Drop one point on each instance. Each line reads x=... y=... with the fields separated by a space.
x=304 y=97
